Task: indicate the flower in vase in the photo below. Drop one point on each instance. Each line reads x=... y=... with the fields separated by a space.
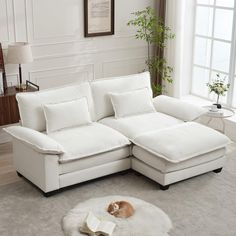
x=218 y=86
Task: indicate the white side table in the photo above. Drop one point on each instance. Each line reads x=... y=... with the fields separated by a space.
x=221 y=114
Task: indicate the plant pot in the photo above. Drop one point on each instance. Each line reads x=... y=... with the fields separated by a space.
x=218 y=105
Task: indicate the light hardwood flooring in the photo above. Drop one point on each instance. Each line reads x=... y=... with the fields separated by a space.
x=7 y=171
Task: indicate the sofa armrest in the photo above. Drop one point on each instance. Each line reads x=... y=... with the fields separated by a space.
x=177 y=108
x=38 y=141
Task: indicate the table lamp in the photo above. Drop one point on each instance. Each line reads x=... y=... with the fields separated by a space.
x=19 y=53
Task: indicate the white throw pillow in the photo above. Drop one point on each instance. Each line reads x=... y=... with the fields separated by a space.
x=66 y=114
x=132 y=103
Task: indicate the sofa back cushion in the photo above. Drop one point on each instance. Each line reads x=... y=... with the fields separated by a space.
x=31 y=104
x=102 y=88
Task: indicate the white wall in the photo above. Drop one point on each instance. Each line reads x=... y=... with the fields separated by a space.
x=61 y=53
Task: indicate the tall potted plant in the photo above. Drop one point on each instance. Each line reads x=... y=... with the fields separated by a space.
x=150 y=28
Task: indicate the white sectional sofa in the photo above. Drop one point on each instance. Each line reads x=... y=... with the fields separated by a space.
x=84 y=131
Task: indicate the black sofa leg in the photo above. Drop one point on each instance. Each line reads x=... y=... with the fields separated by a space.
x=164 y=187
x=19 y=174
x=137 y=173
x=49 y=194
x=218 y=170
x=124 y=172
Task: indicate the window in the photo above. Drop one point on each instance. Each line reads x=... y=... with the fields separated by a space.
x=214 y=48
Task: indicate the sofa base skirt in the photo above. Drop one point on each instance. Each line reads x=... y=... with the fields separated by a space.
x=93 y=172
x=176 y=176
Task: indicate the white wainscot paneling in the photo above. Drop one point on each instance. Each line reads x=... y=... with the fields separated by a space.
x=12 y=73
x=20 y=20
x=4 y=30
x=55 y=20
x=12 y=80
x=86 y=47
x=62 y=76
x=123 y=67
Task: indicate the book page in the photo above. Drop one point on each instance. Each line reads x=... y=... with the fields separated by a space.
x=106 y=227
x=92 y=222
x=84 y=229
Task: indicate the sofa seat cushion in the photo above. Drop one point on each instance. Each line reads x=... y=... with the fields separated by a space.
x=95 y=160
x=89 y=140
x=182 y=142
x=134 y=126
x=165 y=166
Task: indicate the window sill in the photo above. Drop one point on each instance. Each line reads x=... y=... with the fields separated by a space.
x=196 y=100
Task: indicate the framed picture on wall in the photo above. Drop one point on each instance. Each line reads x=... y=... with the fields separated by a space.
x=99 y=17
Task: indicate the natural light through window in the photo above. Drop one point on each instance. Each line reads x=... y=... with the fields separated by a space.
x=214 y=47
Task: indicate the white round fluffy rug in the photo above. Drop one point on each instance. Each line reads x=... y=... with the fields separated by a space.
x=148 y=219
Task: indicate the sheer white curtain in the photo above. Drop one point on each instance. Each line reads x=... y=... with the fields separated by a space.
x=180 y=18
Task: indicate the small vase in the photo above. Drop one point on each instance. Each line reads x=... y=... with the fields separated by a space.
x=218 y=105
x=217 y=102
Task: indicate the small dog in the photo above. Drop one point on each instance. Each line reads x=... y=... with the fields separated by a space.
x=120 y=209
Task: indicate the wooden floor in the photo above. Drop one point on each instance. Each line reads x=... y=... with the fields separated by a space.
x=7 y=171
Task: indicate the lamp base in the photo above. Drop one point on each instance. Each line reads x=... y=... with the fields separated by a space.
x=21 y=87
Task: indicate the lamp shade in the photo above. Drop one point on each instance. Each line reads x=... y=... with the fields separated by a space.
x=19 y=53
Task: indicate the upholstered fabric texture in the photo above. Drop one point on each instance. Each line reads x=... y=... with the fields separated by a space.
x=31 y=104
x=102 y=88
x=66 y=114
x=38 y=141
x=182 y=142
x=177 y=108
x=132 y=103
x=134 y=126
x=84 y=141
x=165 y=166
x=95 y=160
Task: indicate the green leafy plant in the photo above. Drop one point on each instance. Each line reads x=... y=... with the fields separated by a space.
x=152 y=29
x=218 y=86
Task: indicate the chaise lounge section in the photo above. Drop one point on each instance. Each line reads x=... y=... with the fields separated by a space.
x=84 y=131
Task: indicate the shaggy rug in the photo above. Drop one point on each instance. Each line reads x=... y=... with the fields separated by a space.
x=148 y=219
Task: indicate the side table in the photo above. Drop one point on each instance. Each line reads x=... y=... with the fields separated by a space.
x=221 y=114
x=9 y=112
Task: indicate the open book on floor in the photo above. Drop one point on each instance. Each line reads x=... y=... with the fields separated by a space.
x=93 y=226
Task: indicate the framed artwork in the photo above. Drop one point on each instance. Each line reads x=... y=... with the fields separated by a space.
x=99 y=17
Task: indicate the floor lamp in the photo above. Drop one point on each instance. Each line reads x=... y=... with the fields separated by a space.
x=19 y=53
